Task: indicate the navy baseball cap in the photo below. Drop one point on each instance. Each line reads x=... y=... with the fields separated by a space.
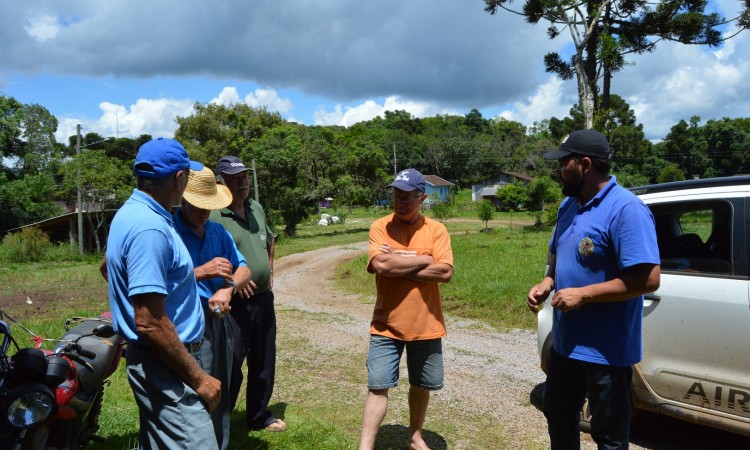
x=159 y=158
x=409 y=180
x=230 y=165
x=582 y=142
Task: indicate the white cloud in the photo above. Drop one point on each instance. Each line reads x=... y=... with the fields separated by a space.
x=549 y=100
x=227 y=96
x=270 y=99
x=369 y=109
x=267 y=98
x=43 y=28
x=147 y=116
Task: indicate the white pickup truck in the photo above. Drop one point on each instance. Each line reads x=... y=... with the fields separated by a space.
x=696 y=327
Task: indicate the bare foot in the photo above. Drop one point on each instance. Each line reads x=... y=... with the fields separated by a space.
x=418 y=445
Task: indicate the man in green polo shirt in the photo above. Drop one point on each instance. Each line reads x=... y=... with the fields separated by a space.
x=252 y=308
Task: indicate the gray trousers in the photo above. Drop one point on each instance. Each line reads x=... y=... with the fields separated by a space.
x=215 y=357
x=171 y=414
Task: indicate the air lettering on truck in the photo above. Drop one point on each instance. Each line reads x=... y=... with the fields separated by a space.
x=735 y=397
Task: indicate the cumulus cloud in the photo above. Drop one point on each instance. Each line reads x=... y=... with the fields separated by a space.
x=43 y=28
x=146 y=116
x=356 y=59
x=267 y=98
x=369 y=109
x=449 y=52
x=550 y=99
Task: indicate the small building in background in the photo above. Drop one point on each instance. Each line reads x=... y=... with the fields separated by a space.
x=325 y=203
x=436 y=187
x=487 y=188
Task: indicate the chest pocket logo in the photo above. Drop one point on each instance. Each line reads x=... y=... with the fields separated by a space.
x=586 y=246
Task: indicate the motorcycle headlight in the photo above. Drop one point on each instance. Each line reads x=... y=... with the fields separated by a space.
x=28 y=405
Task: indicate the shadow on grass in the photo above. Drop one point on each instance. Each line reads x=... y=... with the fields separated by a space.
x=536 y=396
x=241 y=436
x=397 y=437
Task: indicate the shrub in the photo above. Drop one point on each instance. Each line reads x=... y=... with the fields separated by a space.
x=442 y=211
x=485 y=211
x=28 y=245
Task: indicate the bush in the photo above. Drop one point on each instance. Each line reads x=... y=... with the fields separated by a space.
x=28 y=245
x=485 y=211
x=442 y=211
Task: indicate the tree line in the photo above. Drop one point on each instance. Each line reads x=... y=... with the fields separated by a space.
x=297 y=165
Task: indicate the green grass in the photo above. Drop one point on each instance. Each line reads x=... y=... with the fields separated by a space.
x=321 y=388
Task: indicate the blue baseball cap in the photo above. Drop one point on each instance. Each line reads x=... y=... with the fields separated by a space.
x=408 y=180
x=159 y=158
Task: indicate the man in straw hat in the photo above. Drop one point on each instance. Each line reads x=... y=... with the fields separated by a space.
x=219 y=269
x=155 y=306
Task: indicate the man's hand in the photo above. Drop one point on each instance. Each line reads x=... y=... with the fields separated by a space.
x=217 y=267
x=209 y=390
x=221 y=300
x=537 y=295
x=248 y=290
x=568 y=299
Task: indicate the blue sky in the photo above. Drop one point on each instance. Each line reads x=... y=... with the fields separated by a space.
x=130 y=67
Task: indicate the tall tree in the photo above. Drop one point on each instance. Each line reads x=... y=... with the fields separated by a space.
x=27 y=200
x=605 y=32
x=105 y=183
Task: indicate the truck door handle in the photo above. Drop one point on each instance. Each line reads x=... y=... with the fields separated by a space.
x=653 y=297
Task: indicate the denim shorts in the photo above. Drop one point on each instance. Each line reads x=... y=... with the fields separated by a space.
x=424 y=360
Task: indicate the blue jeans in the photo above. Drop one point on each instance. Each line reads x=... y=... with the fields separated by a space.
x=608 y=388
x=424 y=360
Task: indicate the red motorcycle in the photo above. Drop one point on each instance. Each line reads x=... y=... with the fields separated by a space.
x=53 y=398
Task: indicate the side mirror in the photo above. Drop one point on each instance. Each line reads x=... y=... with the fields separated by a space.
x=104 y=330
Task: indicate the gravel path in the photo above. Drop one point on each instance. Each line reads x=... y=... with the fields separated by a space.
x=493 y=374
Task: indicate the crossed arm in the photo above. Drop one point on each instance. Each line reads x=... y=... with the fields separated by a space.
x=421 y=268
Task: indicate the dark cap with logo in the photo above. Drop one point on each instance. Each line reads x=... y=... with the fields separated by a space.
x=408 y=180
x=230 y=165
x=162 y=157
x=584 y=143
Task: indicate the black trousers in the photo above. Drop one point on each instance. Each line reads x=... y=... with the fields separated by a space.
x=255 y=342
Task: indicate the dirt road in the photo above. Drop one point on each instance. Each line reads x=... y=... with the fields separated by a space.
x=492 y=379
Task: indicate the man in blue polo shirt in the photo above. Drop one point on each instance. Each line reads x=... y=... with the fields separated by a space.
x=603 y=257
x=220 y=270
x=155 y=306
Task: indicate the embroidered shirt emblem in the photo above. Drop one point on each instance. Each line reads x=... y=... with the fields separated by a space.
x=586 y=246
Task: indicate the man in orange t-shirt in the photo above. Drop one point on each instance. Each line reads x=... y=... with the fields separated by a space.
x=409 y=254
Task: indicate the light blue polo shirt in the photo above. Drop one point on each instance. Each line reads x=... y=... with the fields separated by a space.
x=146 y=255
x=216 y=242
x=594 y=243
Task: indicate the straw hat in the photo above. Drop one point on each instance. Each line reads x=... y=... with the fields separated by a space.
x=203 y=192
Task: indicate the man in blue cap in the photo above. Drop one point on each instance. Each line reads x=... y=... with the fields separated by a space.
x=602 y=258
x=410 y=255
x=155 y=306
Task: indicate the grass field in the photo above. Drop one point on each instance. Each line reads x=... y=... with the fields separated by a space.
x=493 y=273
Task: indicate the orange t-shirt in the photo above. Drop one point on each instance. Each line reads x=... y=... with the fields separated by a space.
x=409 y=310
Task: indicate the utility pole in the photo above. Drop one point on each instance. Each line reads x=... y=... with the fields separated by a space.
x=79 y=199
x=394 y=159
x=255 y=180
